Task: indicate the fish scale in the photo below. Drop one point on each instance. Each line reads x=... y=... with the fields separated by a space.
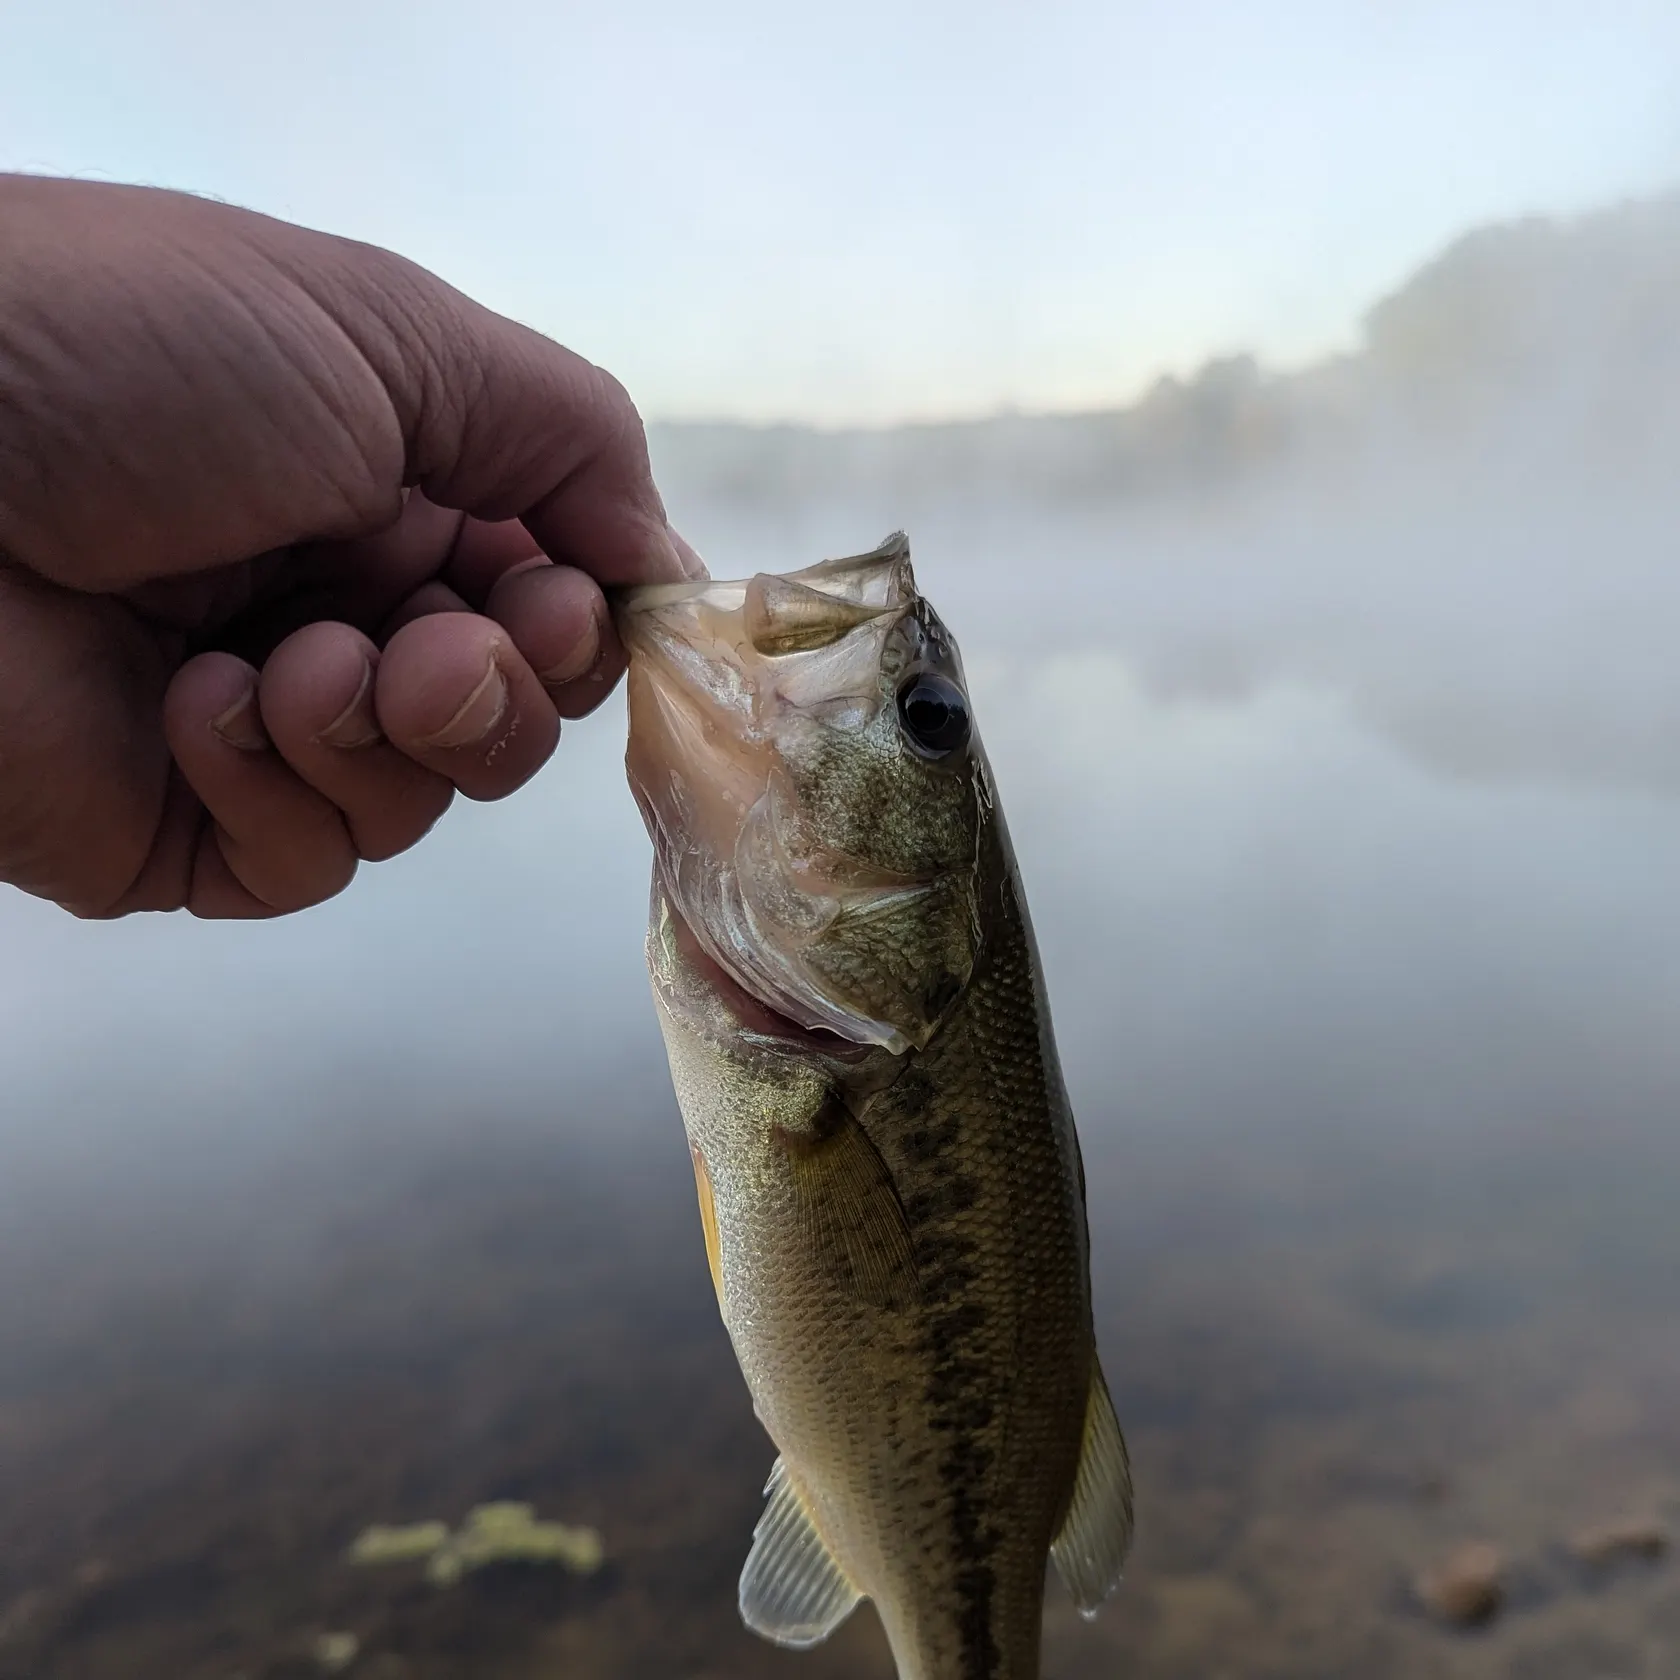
x=999 y=1227
x=894 y=1205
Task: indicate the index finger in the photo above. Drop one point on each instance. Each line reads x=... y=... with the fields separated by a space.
x=505 y=424
x=198 y=384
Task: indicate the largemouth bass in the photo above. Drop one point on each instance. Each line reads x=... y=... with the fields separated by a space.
x=890 y=1185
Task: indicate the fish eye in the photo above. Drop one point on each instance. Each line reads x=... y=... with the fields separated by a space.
x=934 y=713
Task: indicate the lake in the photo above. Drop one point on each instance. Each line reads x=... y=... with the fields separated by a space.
x=385 y=1213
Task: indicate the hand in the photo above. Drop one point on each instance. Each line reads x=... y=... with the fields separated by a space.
x=295 y=540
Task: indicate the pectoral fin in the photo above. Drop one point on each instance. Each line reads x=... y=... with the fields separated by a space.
x=1097 y=1532
x=849 y=1209
x=792 y=1591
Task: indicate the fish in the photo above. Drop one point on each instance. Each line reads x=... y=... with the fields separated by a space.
x=891 y=1191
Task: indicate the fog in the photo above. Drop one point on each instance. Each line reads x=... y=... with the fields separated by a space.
x=917 y=210
x=1334 y=714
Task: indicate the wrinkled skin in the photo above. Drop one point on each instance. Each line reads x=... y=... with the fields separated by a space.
x=296 y=541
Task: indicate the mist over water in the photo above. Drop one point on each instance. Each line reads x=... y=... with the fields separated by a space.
x=1336 y=721
x=1361 y=672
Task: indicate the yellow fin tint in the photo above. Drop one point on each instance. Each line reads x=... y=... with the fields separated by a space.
x=1097 y=1533
x=849 y=1210
x=708 y=1221
x=793 y=1592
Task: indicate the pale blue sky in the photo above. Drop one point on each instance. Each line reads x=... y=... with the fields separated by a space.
x=874 y=210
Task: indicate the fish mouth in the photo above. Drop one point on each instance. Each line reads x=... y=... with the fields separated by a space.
x=719 y=671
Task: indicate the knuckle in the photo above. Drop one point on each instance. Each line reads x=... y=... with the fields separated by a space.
x=620 y=421
x=296 y=876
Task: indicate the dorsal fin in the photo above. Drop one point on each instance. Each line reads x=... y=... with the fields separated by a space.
x=793 y=1593
x=1097 y=1532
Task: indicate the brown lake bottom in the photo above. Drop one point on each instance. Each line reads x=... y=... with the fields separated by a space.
x=1333 y=1365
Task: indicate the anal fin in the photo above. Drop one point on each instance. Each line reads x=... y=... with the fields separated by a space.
x=1097 y=1531
x=793 y=1592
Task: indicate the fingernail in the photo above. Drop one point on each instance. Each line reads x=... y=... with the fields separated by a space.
x=480 y=712
x=241 y=724
x=585 y=651
x=358 y=724
x=693 y=566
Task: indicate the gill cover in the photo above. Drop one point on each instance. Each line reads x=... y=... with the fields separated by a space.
x=802 y=753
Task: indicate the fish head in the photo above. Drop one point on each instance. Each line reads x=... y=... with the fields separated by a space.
x=803 y=753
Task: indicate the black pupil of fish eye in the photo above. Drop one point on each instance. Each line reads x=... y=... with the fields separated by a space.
x=935 y=714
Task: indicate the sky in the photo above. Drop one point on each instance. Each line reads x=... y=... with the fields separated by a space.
x=879 y=211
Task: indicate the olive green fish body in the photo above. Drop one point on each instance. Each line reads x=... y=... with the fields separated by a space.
x=896 y=1228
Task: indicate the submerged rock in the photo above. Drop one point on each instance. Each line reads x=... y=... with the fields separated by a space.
x=1630 y=1537
x=334 y=1652
x=21 y=1616
x=1467 y=1587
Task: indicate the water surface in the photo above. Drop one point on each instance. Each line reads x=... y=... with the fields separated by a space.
x=385 y=1212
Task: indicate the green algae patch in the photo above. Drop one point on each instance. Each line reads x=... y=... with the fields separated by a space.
x=411 y=1544
x=505 y=1532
